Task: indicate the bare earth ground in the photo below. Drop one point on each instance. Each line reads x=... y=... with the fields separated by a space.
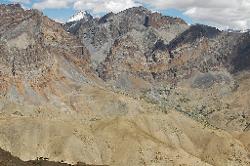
x=117 y=129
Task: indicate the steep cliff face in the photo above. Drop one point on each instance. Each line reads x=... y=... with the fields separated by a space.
x=205 y=49
x=31 y=46
x=139 y=44
x=137 y=55
x=240 y=59
x=155 y=59
x=22 y=45
x=100 y=35
x=200 y=48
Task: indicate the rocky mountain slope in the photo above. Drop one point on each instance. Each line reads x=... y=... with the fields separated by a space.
x=132 y=88
x=101 y=34
x=199 y=58
x=36 y=53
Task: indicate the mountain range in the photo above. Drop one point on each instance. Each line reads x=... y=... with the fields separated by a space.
x=129 y=88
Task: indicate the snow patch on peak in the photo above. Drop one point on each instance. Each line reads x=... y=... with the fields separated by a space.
x=80 y=15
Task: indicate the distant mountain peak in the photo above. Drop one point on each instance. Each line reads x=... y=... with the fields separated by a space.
x=81 y=15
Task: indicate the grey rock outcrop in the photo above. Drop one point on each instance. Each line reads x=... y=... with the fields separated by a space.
x=101 y=34
x=30 y=41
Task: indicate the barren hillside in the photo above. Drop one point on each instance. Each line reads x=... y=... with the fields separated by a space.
x=132 y=88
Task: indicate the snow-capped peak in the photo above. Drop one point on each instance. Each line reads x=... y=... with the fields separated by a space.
x=80 y=15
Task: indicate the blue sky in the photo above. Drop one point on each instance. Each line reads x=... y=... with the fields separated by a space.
x=223 y=14
x=177 y=13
